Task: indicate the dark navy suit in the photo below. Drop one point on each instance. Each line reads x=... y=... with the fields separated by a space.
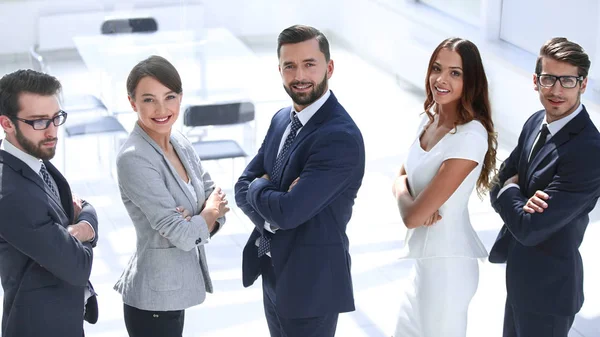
x=544 y=271
x=44 y=270
x=310 y=259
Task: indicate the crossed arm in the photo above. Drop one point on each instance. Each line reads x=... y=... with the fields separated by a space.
x=423 y=210
x=44 y=241
x=575 y=185
x=331 y=165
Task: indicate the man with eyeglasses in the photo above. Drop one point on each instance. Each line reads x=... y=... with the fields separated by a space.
x=544 y=193
x=46 y=235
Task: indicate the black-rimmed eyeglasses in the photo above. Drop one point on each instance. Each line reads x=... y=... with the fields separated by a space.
x=567 y=82
x=44 y=123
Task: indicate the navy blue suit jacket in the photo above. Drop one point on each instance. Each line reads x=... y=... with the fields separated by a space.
x=44 y=270
x=544 y=271
x=310 y=250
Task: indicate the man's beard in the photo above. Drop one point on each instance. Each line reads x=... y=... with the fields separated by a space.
x=36 y=151
x=309 y=98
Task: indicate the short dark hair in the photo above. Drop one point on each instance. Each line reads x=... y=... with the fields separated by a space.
x=21 y=81
x=301 y=33
x=158 y=68
x=563 y=50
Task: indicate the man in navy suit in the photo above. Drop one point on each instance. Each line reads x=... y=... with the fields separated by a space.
x=46 y=236
x=544 y=193
x=299 y=191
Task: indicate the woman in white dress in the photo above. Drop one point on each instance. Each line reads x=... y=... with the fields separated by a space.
x=454 y=152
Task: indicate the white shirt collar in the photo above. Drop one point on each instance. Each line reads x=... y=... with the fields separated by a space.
x=31 y=161
x=306 y=113
x=555 y=126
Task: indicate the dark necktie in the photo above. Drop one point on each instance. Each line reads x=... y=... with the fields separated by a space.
x=265 y=240
x=540 y=141
x=46 y=176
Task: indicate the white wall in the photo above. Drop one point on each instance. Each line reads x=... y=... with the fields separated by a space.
x=401 y=37
x=528 y=24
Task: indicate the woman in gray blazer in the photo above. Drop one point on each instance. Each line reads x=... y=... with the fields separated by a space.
x=173 y=204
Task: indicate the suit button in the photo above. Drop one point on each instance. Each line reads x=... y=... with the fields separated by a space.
x=198 y=241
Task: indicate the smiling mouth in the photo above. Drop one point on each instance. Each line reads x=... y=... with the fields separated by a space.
x=440 y=90
x=302 y=87
x=162 y=120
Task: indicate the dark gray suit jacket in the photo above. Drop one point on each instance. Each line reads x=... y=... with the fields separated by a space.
x=44 y=270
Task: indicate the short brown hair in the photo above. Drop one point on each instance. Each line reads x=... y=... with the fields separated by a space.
x=158 y=68
x=563 y=50
x=301 y=33
x=21 y=81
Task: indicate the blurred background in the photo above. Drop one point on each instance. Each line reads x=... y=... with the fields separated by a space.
x=225 y=51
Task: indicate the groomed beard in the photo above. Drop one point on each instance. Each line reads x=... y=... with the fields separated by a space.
x=307 y=99
x=35 y=151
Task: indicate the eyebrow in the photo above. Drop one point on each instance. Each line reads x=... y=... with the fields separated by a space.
x=312 y=60
x=150 y=95
x=43 y=116
x=438 y=64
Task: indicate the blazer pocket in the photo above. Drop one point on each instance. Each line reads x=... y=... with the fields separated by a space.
x=165 y=268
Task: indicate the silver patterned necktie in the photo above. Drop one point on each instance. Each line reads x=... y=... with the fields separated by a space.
x=46 y=177
x=265 y=240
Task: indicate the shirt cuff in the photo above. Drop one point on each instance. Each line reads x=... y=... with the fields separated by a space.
x=507 y=187
x=92 y=227
x=270 y=228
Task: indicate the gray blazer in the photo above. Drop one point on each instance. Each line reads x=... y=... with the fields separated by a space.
x=168 y=270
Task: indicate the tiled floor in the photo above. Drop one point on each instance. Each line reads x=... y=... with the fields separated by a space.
x=387 y=113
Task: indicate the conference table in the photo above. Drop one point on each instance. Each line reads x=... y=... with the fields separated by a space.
x=214 y=65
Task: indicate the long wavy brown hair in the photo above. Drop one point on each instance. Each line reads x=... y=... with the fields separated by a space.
x=474 y=103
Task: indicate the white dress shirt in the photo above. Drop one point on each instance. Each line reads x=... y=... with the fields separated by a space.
x=304 y=116
x=553 y=129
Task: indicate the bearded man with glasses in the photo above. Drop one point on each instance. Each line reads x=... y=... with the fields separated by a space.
x=46 y=235
x=544 y=193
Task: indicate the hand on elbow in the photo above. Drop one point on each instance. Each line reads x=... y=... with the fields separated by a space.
x=537 y=203
x=413 y=222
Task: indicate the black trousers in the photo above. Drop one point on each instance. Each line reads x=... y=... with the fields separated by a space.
x=143 y=323
x=321 y=326
x=530 y=324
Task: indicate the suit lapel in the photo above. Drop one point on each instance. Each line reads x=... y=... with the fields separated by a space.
x=564 y=135
x=29 y=174
x=64 y=191
x=528 y=145
x=317 y=119
x=281 y=124
x=183 y=159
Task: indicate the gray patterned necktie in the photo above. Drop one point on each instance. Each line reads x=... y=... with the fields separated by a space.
x=46 y=176
x=265 y=240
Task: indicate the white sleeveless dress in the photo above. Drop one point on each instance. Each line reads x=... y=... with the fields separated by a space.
x=446 y=271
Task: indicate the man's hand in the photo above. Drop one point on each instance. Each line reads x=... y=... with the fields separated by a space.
x=537 y=203
x=293 y=184
x=266 y=176
x=77 y=206
x=512 y=180
x=81 y=231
